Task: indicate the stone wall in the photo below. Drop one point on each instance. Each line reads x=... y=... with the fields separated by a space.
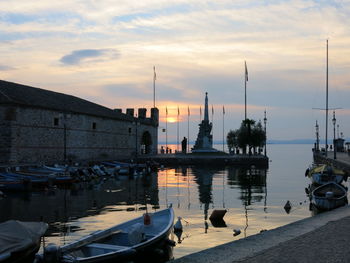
x=36 y=135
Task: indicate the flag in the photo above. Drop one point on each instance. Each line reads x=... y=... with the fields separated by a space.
x=188 y=110
x=154 y=70
x=178 y=111
x=166 y=111
x=246 y=71
x=200 y=111
x=212 y=109
x=223 y=109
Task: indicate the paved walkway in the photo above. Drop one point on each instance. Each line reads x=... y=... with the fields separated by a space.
x=322 y=238
x=342 y=157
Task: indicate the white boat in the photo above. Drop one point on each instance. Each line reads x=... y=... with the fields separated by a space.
x=120 y=242
x=322 y=174
x=19 y=241
x=329 y=196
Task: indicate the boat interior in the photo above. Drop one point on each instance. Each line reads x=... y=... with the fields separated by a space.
x=116 y=242
x=337 y=192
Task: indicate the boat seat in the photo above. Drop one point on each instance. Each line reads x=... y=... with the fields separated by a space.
x=106 y=246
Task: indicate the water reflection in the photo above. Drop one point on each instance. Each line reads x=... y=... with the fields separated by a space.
x=194 y=192
x=252 y=183
x=58 y=206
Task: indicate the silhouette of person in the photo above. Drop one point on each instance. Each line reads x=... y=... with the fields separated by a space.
x=184 y=145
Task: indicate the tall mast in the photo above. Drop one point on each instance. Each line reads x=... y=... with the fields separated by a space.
x=326 y=102
x=154 y=86
x=245 y=89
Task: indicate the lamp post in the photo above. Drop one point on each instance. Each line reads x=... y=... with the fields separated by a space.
x=64 y=116
x=317 y=137
x=265 y=120
x=334 y=146
x=136 y=140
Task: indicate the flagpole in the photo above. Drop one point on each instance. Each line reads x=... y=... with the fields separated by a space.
x=223 y=128
x=245 y=90
x=166 y=129
x=154 y=86
x=212 y=122
x=188 y=130
x=178 y=113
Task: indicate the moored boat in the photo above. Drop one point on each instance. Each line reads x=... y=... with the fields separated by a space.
x=121 y=242
x=322 y=174
x=19 y=241
x=329 y=196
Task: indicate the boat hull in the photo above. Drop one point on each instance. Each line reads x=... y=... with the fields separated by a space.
x=329 y=196
x=131 y=240
x=320 y=179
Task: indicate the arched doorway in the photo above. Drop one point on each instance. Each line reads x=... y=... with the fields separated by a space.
x=146 y=142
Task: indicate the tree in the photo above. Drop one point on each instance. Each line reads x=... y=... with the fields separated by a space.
x=231 y=140
x=249 y=136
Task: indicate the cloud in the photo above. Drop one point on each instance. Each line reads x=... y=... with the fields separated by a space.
x=84 y=55
x=4 y=68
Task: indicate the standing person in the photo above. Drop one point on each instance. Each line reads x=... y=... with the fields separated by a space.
x=184 y=145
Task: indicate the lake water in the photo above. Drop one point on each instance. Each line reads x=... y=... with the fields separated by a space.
x=254 y=200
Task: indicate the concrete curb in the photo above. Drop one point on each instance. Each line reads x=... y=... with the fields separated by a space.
x=248 y=247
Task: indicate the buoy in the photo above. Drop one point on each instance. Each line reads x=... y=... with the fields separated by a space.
x=218 y=214
x=146 y=219
x=236 y=232
x=287 y=207
x=178 y=225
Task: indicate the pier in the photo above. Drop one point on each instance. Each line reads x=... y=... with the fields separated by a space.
x=342 y=161
x=259 y=161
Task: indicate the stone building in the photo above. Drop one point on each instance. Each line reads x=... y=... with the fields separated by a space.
x=41 y=126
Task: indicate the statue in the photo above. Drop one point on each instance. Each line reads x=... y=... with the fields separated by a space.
x=204 y=142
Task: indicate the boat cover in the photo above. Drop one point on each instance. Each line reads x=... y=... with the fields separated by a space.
x=323 y=168
x=16 y=235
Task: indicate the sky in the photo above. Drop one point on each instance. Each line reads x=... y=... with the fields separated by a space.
x=104 y=51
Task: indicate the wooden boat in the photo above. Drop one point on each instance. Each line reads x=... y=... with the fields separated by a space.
x=329 y=196
x=19 y=241
x=120 y=242
x=322 y=174
x=13 y=184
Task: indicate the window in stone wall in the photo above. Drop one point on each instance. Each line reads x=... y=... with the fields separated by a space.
x=55 y=121
x=94 y=125
x=129 y=130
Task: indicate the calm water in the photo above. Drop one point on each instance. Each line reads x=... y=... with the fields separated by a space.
x=254 y=200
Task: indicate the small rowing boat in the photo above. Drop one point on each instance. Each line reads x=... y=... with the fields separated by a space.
x=120 y=242
x=329 y=196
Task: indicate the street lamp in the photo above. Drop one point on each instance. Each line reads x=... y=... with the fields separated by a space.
x=265 y=120
x=334 y=146
x=317 y=137
x=137 y=123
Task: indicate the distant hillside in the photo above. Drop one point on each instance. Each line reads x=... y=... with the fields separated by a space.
x=294 y=141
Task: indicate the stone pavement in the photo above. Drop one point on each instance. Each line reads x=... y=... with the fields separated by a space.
x=322 y=238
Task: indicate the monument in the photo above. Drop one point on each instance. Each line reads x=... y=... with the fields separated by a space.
x=204 y=142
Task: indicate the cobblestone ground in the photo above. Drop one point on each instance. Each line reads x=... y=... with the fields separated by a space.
x=330 y=243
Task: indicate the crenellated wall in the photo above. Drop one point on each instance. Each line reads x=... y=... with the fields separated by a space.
x=39 y=135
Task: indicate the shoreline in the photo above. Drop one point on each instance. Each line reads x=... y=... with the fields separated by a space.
x=259 y=247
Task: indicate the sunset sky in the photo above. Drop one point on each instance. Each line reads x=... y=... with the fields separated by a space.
x=104 y=51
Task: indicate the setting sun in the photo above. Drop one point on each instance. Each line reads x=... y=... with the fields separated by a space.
x=172 y=119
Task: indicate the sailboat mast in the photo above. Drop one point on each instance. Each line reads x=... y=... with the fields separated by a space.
x=326 y=147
